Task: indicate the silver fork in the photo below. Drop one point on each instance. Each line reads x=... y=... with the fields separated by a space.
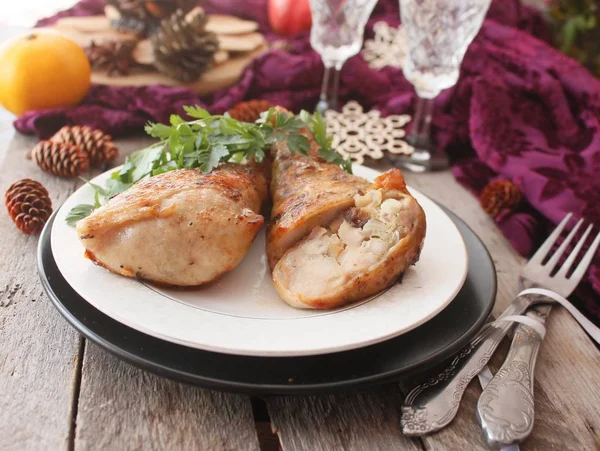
x=505 y=408
x=433 y=404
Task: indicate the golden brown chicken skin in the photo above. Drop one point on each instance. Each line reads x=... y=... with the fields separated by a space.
x=335 y=238
x=305 y=193
x=181 y=228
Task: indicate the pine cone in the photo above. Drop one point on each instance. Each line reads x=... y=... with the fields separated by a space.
x=98 y=145
x=64 y=159
x=499 y=196
x=116 y=57
x=249 y=111
x=28 y=205
x=143 y=16
x=183 y=49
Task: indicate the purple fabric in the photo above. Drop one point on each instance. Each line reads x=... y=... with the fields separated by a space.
x=521 y=110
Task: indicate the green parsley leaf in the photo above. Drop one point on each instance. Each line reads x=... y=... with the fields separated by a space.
x=336 y=158
x=292 y=124
x=278 y=117
x=161 y=131
x=115 y=187
x=317 y=126
x=97 y=203
x=298 y=143
x=319 y=129
x=97 y=188
x=125 y=174
x=218 y=153
x=145 y=161
x=79 y=212
x=175 y=119
x=196 y=112
x=237 y=157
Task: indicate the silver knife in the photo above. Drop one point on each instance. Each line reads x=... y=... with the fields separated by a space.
x=505 y=409
x=484 y=378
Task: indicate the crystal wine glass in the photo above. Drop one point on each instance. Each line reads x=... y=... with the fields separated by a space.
x=438 y=34
x=337 y=33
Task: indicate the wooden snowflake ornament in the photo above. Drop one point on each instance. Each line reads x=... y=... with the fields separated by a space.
x=357 y=134
x=387 y=48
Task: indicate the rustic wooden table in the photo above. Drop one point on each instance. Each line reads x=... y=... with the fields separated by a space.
x=60 y=391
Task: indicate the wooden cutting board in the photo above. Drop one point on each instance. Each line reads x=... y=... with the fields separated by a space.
x=239 y=44
x=220 y=76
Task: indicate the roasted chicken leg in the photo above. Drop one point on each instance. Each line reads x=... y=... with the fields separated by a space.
x=182 y=228
x=334 y=238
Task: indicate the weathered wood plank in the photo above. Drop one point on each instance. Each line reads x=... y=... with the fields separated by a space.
x=569 y=373
x=38 y=351
x=7 y=132
x=363 y=420
x=122 y=407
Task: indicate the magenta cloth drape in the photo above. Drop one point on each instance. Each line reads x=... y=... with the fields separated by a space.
x=521 y=110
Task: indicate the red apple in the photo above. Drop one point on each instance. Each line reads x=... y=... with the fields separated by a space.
x=289 y=17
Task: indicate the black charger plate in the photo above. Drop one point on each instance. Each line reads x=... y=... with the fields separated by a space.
x=394 y=359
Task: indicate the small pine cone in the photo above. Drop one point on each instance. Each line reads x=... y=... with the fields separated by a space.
x=183 y=48
x=499 y=196
x=28 y=205
x=98 y=145
x=111 y=151
x=249 y=111
x=64 y=159
x=116 y=57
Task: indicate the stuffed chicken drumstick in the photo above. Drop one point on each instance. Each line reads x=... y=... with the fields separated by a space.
x=181 y=228
x=335 y=238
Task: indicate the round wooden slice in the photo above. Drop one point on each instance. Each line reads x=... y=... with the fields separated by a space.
x=241 y=43
x=91 y=24
x=222 y=24
x=111 y=12
x=221 y=56
x=143 y=52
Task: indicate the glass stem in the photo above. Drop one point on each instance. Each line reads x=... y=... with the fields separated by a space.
x=325 y=84
x=323 y=104
x=420 y=134
x=335 y=92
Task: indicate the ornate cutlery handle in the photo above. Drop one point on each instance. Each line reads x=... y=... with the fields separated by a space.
x=432 y=405
x=505 y=409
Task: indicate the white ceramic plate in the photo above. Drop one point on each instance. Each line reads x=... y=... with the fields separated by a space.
x=242 y=314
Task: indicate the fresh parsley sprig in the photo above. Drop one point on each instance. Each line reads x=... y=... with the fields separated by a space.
x=207 y=141
x=317 y=126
